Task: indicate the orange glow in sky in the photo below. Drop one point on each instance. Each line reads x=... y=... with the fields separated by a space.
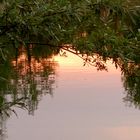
x=74 y=61
x=34 y=65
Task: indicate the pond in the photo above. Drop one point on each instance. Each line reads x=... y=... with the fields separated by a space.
x=61 y=98
x=69 y=70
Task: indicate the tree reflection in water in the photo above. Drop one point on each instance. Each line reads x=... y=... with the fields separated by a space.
x=131 y=83
x=31 y=74
x=25 y=80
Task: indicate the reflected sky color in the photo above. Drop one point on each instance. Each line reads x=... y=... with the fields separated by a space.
x=87 y=105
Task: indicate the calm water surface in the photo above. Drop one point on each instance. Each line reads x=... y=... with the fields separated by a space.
x=85 y=105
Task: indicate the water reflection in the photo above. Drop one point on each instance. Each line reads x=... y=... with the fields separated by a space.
x=130 y=73
x=25 y=80
x=30 y=74
x=131 y=83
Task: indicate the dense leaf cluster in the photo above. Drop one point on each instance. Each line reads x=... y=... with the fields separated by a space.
x=111 y=28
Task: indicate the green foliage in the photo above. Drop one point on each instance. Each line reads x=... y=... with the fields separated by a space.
x=27 y=21
x=106 y=23
x=112 y=30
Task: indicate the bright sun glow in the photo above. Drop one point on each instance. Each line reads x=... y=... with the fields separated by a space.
x=73 y=61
